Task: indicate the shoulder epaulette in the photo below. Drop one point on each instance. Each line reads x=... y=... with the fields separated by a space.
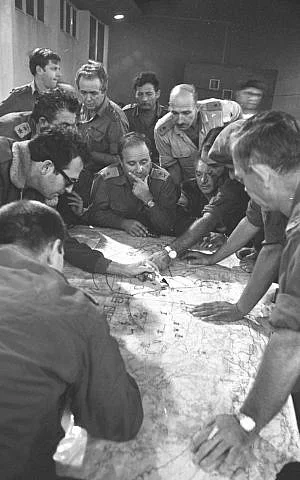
x=23 y=129
x=111 y=171
x=22 y=89
x=159 y=174
x=165 y=124
x=129 y=106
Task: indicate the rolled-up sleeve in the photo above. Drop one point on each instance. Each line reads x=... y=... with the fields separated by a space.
x=286 y=313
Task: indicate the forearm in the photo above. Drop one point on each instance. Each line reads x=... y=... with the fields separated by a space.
x=194 y=233
x=240 y=236
x=263 y=275
x=277 y=374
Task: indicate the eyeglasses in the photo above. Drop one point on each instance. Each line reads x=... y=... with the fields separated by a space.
x=68 y=181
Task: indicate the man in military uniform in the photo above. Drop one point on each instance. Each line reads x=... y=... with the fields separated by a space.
x=179 y=134
x=249 y=96
x=43 y=168
x=266 y=158
x=56 y=351
x=143 y=115
x=44 y=65
x=102 y=123
x=54 y=107
x=271 y=224
x=134 y=195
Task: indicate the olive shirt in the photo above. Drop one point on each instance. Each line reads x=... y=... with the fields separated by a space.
x=273 y=223
x=17 y=125
x=14 y=164
x=112 y=200
x=286 y=313
x=55 y=351
x=143 y=122
x=102 y=132
x=176 y=147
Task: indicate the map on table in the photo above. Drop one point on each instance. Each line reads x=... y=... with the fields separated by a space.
x=188 y=370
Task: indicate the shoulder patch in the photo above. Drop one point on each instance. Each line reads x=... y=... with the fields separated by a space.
x=23 y=129
x=109 y=172
x=21 y=89
x=165 y=124
x=129 y=106
x=159 y=174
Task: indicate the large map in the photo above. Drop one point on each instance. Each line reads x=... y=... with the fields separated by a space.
x=188 y=370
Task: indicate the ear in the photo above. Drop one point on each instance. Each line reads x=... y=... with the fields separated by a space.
x=39 y=70
x=42 y=124
x=264 y=173
x=55 y=255
x=46 y=167
x=157 y=94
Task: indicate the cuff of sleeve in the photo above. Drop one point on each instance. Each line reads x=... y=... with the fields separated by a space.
x=286 y=312
x=166 y=162
x=101 y=265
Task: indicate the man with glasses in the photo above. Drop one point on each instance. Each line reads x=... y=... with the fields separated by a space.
x=179 y=134
x=43 y=168
x=143 y=115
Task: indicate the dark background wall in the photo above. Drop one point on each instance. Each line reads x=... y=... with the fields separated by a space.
x=258 y=35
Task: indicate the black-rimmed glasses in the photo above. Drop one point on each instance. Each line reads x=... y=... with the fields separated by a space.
x=68 y=181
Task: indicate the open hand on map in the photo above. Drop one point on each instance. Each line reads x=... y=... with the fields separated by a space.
x=223 y=445
x=194 y=257
x=217 y=311
x=161 y=259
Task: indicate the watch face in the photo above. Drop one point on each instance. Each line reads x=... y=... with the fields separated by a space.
x=247 y=423
x=172 y=254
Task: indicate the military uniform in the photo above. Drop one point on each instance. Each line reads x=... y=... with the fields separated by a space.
x=142 y=122
x=176 y=147
x=17 y=125
x=22 y=99
x=55 y=350
x=102 y=132
x=14 y=164
x=112 y=200
x=273 y=223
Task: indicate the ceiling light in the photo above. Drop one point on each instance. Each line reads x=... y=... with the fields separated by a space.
x=119 y=16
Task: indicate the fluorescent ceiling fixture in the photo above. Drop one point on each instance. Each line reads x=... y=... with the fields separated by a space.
x=119 y=16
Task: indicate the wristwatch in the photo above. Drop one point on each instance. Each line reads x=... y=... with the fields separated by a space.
x=247 y=423
x=172 y=253
x=151 y=204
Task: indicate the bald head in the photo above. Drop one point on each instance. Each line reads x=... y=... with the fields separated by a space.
x=183 y=105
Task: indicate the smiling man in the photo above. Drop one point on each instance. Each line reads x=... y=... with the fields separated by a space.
x=44 y=65
x=266 y=159
x=134 y=195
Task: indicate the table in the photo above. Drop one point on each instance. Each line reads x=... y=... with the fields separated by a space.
x=187 y=369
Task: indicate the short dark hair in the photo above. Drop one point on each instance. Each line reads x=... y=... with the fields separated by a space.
x=31 y=225
x=146 y=77
x=41 y=57
x=58 y=146
x=271 y=138
x=132 y=139
x=252 y=83
x=47 y=104
x=92 y=70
